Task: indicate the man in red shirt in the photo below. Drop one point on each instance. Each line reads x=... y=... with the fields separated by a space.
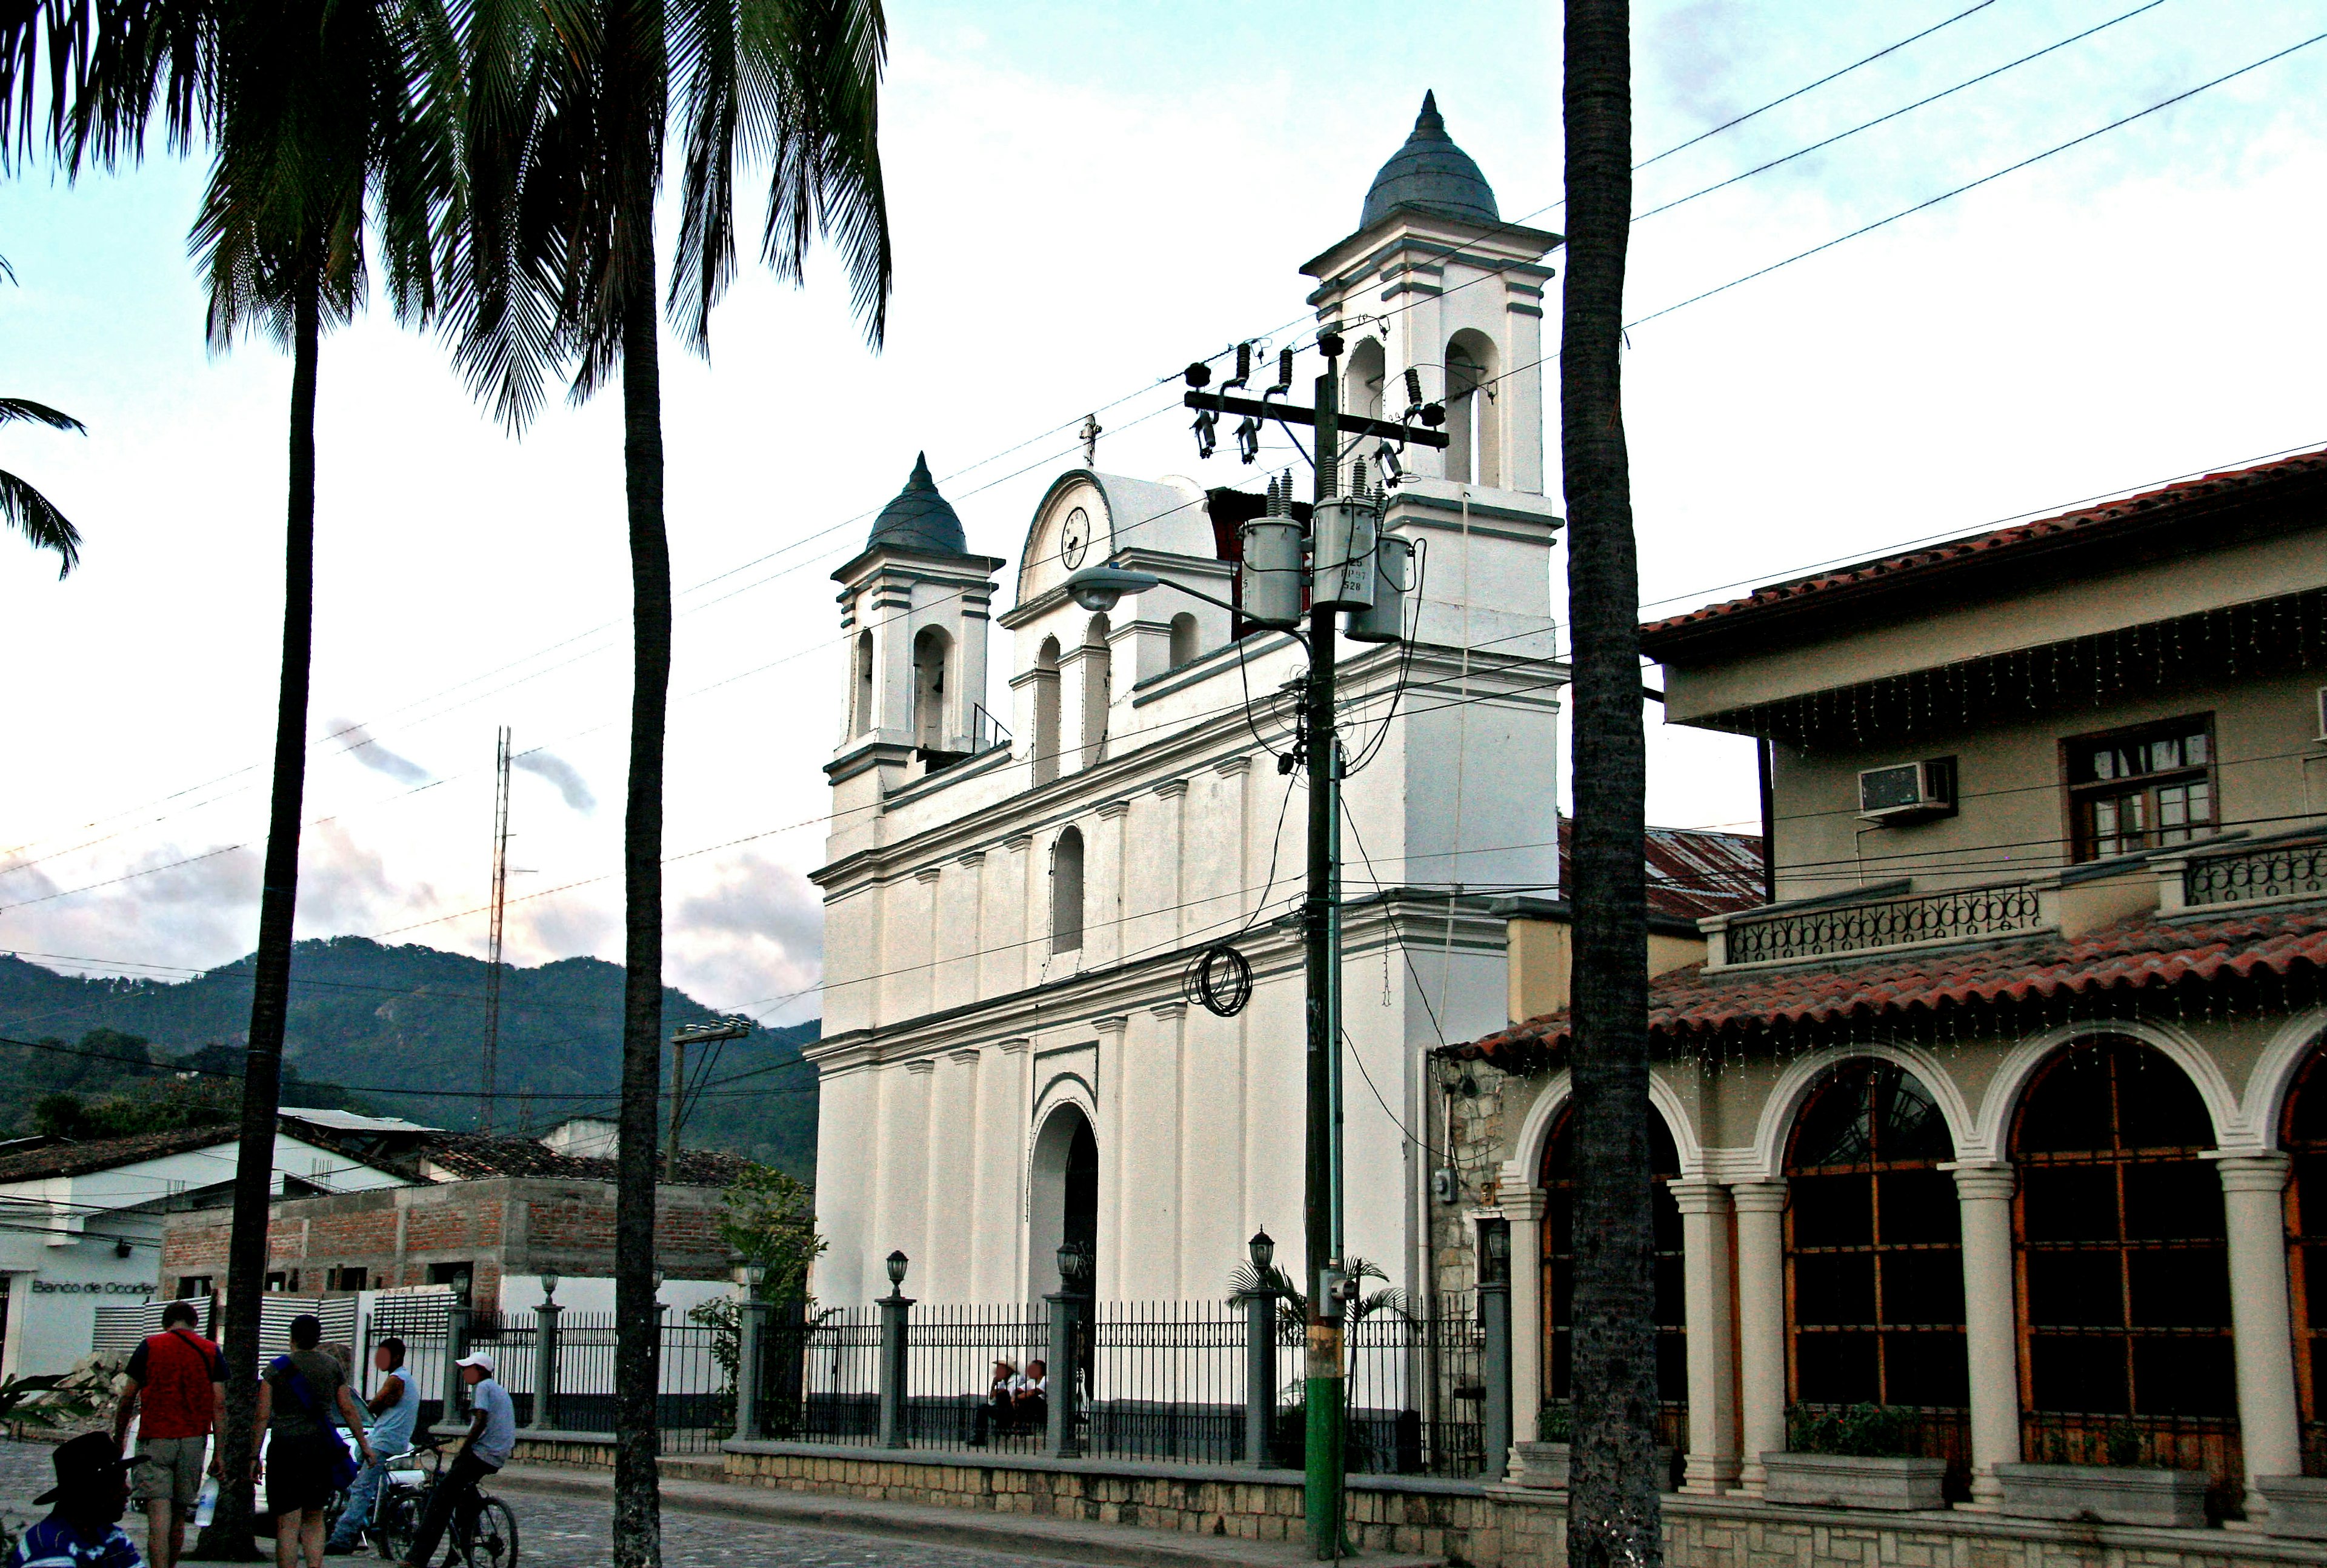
x=177 y=1387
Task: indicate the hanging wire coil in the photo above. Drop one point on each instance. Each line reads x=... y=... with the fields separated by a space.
x=1219 y=980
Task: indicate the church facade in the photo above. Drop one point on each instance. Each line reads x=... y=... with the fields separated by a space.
x=1012 y=899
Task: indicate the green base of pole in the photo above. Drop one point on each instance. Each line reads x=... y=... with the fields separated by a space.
x=1323 y=1467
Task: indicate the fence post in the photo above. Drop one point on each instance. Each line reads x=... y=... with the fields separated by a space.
x=456 y=1346
x=896 y=1310
x=1066 y=1310
x=1495 y=1320
x=751 y=1336
x=1259 y=1376
x=544 y=1360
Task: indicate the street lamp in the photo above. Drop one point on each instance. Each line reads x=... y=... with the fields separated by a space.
x=1263 y=1248
x=896 y=1266
x=1096 y=588
x=549 y=1286
x=1075 y=1267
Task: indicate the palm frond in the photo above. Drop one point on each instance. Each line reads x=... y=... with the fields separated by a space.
x=34 y=516
x=24 y=408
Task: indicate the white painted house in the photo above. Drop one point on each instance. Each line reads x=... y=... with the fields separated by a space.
x=80 y=1223
x=1007 y=1056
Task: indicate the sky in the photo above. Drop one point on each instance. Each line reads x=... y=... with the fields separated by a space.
x=1082 y=198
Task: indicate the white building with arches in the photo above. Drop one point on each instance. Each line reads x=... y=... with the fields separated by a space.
x=1012 y=899
x=2009 y=1115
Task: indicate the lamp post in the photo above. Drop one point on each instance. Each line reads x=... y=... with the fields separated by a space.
x=895 y=1308
x=1260 y=1351
x=545 y=1349
x=1068 y=1306
x=751 y=1331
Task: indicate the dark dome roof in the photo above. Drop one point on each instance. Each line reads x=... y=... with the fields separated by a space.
x=1431 y=174
x=920 y=518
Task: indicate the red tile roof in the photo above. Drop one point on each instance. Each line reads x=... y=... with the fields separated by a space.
x=2079 y=526
x=2139 y=954
x=1693 y=872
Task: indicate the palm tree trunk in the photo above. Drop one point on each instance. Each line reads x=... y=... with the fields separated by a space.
x=638 y=1525
x=228 y=1533
x=1614 y=1515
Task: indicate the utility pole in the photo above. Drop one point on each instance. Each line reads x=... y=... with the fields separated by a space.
x=1346 y=565
x=500 y=900
x=724 y=1028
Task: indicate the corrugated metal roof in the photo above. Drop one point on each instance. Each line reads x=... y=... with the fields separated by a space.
x=1693 y=872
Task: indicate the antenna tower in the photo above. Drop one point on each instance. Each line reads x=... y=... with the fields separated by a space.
x=501 y=894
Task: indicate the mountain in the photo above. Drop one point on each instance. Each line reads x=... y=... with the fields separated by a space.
x=398 y=1031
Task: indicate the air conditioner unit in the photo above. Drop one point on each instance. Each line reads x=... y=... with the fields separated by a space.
x=1908 y=791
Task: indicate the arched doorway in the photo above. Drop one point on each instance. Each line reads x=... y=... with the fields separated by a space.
x=2123 y=1258
x=1559 y=1280
x=2303 y=1133
x=1063 y=1197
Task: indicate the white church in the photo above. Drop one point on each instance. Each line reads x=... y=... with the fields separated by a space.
x=1012 y=901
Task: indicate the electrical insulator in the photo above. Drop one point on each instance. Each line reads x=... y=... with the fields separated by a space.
x=1413 y=388
x=1268 y=580
x=1285 y=370
x=1244 y=366
x=1384 y=621
x=1342 y=566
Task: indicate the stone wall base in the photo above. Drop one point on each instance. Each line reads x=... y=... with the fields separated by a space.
x=1475 y=1526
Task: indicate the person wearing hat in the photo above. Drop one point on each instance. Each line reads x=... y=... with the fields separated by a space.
x=84 y=1529
x=493 y=1436
x=303 y=1458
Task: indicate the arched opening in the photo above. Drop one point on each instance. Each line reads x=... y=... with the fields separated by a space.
x=1874 y=1256
x=861 y=689
x=1067 y=893
x=1046 y=711
x=1363 y=383
x=1472 y=449
x=929 y=651
x=1184 y=640
x=2123 y=1259
x=2303 y=1133
x=1063 y=1196
x=1097 y=689
x=1558 y=1183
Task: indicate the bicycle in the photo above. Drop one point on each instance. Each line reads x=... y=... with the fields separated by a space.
x=487 y=1538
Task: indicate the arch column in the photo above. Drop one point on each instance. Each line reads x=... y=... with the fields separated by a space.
x=2270 y=1424
x=1704 y=1207
x=1761 y=1324
x=1524 y=1204
x=1991 y=1350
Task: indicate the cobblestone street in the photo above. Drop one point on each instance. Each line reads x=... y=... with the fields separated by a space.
x=557 y=1530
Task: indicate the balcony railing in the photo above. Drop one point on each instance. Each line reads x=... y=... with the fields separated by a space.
x=2266 y=871
x=1896 y=923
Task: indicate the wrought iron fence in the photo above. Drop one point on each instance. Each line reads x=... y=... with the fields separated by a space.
x=1165 y=1380
x=953 y=1356
x=1883 y=923
x=2269 y=873
x=694 y=1381
x=1417 y=1389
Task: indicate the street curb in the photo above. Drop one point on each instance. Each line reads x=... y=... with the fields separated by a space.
x=1015 y=1535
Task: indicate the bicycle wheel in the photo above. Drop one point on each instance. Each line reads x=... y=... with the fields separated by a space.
x=397 y=1521
x=492 y=1538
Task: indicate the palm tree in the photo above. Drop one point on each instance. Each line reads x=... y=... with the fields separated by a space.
x=571 y=105
x=1613 y=1513
x=26 y=509
x=319 y=115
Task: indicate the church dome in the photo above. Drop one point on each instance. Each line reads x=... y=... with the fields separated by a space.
x=920 y=518
x=1431 y=174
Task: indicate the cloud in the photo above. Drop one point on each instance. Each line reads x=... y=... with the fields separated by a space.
x=357 y=743
x=571 y=785
x=754 y=937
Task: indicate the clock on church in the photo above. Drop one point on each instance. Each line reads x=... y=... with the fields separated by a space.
x=1074 y=537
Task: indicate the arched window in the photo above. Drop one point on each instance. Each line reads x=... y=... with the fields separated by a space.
x=1559 y=1275
x=2303 y=1133
x=1097 y=682
x=862 y=689
x=1184 y=640
x=1363 y=391
x=1067 y=893
x=2125 y=1301
x=1472 y=446
x=1046 y=711
x=1874 y=1245
x=929 y=649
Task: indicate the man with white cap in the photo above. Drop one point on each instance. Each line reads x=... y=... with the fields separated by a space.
x=492 y=1435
